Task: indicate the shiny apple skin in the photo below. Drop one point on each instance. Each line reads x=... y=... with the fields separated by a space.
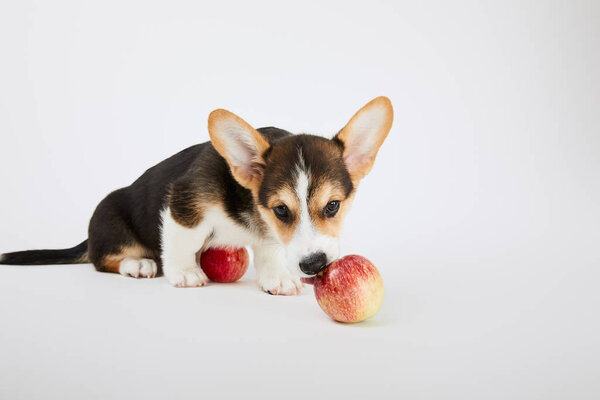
x=224 y=264
x=349 y=289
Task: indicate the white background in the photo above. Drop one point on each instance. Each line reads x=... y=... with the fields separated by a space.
x=481 y=211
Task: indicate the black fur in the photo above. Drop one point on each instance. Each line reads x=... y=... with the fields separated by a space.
x=74 y=255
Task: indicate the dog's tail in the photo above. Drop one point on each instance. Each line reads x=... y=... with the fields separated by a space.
x=74 y=255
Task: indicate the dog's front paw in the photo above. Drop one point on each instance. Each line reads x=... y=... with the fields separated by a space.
x=280 y=283
x=189 y=277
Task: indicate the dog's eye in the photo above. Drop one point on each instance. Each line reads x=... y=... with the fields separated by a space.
x=332 y=208
x=282 y=212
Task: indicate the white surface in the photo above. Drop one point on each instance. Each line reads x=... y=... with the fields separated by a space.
x=481 y=211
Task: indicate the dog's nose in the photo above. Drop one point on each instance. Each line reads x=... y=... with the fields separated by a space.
x=313 y=263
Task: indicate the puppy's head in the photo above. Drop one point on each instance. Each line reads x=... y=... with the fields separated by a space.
x=303 y=185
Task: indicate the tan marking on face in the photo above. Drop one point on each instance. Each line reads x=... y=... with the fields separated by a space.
x=284 y=196
x=112 y=262
x=323 y=192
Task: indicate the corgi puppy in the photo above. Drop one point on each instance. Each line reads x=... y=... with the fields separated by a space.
x=284 y=195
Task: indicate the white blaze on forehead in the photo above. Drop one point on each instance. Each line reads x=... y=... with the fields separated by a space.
x=305 y=226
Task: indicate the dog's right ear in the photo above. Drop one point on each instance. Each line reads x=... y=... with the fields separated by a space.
x=240 y=145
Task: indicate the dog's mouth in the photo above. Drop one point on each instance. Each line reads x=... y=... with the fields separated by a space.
x=310 y=280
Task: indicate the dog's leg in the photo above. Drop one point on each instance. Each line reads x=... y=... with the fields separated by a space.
x=179 y=248
x=272 y=274
x=113 y=245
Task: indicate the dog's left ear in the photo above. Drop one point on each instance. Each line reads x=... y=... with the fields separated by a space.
x=240 y=145
x=364 y=134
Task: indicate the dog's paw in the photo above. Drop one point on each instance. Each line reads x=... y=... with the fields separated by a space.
x=190 y=277
x=280 y=283
x=144 y=268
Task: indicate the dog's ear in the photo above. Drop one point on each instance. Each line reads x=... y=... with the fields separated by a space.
x=364 y=134
x=240 y=145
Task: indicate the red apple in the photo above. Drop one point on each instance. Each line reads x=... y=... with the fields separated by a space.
x=224 y=264
x=349 y=289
